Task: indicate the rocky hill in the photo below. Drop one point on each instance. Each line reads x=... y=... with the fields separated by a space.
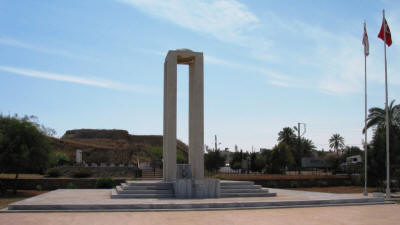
x=113 y=146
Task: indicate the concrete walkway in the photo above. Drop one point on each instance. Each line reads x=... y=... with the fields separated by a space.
x=97 y=199
x=343 y=215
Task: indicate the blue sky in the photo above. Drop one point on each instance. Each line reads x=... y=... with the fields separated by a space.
x=268 y=64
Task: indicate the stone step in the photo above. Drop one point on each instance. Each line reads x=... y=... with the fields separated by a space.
x=120 y=190
x=231 y=183
x=241 y=187
x=79 y=205
x=115 y=195
x=149 y=183
x=261 y=194
x=149 y=178
x=148 y=187
x=244 y=190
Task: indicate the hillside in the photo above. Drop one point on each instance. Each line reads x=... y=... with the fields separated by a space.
x=113 y=146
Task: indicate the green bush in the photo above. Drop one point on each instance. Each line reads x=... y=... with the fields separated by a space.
x=82 y=173
x=322 y=183
x=104 y=183
x=272 y=184
x=294 y=184
x=38 y=187
x=58 y=159
x=54 y=172
x=71 y=186
x=220 y=178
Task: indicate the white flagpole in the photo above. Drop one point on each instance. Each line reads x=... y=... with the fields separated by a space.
x=387 y=115
x=365 y=118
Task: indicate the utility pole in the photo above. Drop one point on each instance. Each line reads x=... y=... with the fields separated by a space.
x=298 y=128
x=216 y=145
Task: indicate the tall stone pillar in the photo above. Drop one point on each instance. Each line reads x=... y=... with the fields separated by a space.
x=169 y=137
x=196 y=117
x=196 y=112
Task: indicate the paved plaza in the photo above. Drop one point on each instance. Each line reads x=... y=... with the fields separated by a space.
x=335 y=215
x=99 y=199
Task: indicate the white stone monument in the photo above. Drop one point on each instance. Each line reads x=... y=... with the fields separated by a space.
x=196 y=112
x=78 y=156
x=188 y=180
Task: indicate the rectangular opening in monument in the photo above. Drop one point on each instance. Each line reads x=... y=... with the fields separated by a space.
x=182 y=113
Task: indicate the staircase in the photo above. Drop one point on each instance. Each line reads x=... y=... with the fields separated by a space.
x=163 y=189
x=231 y=189
x=151 y=174
x=143 y=189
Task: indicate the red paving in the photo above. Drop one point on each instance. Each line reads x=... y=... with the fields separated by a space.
x=343 y=215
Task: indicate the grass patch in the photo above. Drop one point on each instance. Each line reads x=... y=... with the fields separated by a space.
x=20 y=176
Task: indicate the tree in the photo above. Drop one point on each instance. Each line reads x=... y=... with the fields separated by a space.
x=22 y=146
x=281 y=158
x=336 y=142
x=303 y=148
x=299 y=147
x=377 y=117
x=58 y=159
x=237 y=157
x=287 y=136
x=213 y=160
x=377 y=148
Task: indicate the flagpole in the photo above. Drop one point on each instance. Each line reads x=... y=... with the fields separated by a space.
x=365 y=121
x=387 y=115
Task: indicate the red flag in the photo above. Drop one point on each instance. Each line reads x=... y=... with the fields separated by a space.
x=365 y=42
x=381 y=35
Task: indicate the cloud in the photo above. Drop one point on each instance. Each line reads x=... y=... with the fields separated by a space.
x=93 y=81
x=276 y=79
x=225 y=20
x=19 y=44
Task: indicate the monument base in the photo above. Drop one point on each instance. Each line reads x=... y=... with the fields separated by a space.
x=196 y=188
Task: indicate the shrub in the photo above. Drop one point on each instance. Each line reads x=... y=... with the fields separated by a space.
x=54 y=172
x=38 y=187
x=82 y=173
x=71 y=186
x=272 y=184
x=294 y=184
x=322 y=183
x=220 y=178
x=104 y=182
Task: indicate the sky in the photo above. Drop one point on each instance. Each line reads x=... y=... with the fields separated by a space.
x=267 y=65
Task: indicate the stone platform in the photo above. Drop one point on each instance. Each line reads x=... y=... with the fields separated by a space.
x=189 y=188
x=99 y=200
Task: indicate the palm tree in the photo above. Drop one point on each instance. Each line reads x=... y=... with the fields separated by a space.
x=287 y=136
x=377 y=117
x=336 y=142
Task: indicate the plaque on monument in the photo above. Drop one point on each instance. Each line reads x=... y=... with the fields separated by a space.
x=183 y=171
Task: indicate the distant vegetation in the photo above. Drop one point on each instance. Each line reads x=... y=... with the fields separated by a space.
x=23 y=146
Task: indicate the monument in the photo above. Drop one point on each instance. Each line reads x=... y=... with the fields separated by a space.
x=196 y=112
x=78 y=156
x=186 y=180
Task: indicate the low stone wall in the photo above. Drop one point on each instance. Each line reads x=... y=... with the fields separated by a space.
x=54 y=183
x=295 y=183
x=291 y=181
x=102 y=171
